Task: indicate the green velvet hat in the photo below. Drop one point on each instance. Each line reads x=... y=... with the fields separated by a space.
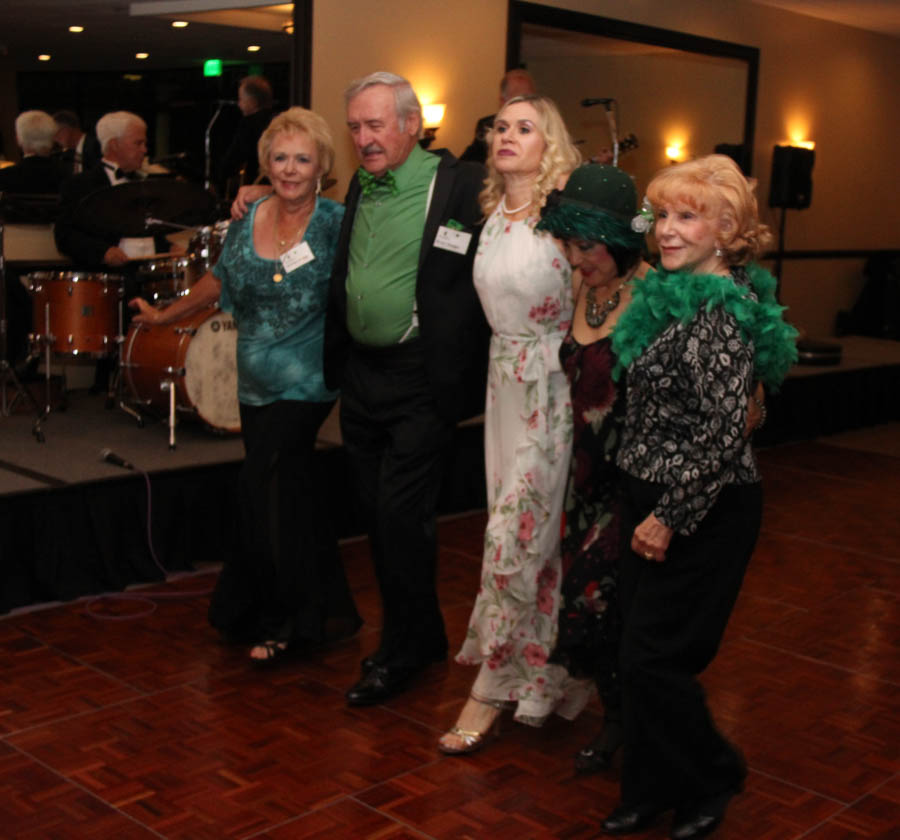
x=597 y=205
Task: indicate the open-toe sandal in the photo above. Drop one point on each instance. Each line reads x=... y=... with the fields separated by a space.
x=275 y=652
x=472 y=740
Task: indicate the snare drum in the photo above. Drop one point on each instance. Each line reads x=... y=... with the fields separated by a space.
x=75 y=313
x=166 y=279
x=197 y=354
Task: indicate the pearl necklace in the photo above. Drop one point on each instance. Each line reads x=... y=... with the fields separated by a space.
x=512 y=212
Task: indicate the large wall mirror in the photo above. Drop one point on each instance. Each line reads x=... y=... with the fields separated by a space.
x=672 y=91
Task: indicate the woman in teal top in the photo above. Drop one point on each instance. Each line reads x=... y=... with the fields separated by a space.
x=285 y=588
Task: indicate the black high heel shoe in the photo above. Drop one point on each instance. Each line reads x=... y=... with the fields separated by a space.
x=631 y=819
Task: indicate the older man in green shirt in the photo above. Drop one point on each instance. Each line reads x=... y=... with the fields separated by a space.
x=406 y=342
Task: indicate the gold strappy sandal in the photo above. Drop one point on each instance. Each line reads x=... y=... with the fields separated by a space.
x=472 y=740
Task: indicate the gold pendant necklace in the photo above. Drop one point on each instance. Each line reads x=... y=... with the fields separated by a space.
x=282 y=248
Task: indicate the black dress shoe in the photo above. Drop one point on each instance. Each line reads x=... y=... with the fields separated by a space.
x=437 y=654
x=369 y=663
x=632 y=819
x=701 y=819
x=598 y=754
x=379 y=684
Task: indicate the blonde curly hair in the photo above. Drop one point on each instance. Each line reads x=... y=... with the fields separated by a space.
x=716 y=188
x=306 y=122
x=560 y=156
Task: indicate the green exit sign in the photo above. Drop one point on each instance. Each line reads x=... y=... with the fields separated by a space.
x=212 y=67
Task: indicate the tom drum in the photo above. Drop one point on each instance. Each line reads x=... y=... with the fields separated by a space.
x=76 y=313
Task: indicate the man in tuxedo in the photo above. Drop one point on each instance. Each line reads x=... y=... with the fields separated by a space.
x=90 y=244
x=80 y=151
x=37 y=172
x=406 y=342
x=96 y=245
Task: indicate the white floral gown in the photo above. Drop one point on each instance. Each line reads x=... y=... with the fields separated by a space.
x=524 y=285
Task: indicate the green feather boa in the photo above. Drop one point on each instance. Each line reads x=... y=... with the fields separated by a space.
x=661 y=298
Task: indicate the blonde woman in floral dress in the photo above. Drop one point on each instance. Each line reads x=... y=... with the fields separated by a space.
x=524 y=283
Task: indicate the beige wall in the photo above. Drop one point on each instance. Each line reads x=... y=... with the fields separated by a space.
x=839 y=83
x=453 y=53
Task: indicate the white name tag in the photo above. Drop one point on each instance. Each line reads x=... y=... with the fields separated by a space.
x=298 y=255
x=452 y=240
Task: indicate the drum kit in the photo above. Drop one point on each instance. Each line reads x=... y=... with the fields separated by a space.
x=186 y=368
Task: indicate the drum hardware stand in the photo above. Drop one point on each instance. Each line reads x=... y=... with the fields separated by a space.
x=115 y=395
x=169 y=385
x=7 y=371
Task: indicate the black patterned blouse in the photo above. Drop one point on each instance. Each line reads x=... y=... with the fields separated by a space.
x=685 y=414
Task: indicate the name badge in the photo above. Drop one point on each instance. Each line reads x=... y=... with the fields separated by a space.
x=298 y=255
x=452 y=240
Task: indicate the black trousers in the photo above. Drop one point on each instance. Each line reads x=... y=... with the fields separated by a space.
x=674 y=615
x=396 y=441
x=286 y=583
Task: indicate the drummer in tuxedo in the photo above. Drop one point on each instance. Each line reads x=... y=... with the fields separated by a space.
x=90 y=245
x=95 y=246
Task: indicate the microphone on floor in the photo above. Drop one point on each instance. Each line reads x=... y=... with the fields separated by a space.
x=111 y=458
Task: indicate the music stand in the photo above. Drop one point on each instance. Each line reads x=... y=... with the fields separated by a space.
x=25 y=209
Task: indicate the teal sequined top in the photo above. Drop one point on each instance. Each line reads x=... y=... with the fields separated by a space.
x=280 y=325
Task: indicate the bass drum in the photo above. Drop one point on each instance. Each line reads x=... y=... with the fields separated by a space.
x=199 y=356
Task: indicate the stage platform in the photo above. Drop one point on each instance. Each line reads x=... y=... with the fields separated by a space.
x=71 y=524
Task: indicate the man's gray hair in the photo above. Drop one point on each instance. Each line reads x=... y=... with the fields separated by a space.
x=35 y=131
x=405 y=100
x=114 y=125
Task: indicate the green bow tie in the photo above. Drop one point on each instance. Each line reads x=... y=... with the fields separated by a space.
x=370 y=184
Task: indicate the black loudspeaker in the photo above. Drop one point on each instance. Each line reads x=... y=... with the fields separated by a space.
x=791 y=177
x=737 y=152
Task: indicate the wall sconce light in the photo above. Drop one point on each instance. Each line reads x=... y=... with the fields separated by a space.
x=675 y=152
x=432 y=116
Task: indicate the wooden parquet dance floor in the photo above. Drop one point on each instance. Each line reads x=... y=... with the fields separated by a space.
x=151 y=728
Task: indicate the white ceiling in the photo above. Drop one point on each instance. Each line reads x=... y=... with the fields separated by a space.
x=112 y=35
x=881 y=16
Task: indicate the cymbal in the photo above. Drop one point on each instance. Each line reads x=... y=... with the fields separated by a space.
x=125 y=208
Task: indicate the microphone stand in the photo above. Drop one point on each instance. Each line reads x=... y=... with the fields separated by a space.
x=613 y=132
x=7 y=371
x=208 y=163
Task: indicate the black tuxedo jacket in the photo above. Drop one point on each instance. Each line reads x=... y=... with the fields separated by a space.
x=90 y=156
x=81 y=238
x=452 y=326
x=33 y=175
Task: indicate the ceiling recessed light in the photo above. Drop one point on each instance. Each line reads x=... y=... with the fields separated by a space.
x=76 y=29
x=43 y=57
x=142 y=55
x=253 y=48
x=179 y=24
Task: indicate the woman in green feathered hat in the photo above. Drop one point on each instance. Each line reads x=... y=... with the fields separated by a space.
x=697 y=335
x=593 y=217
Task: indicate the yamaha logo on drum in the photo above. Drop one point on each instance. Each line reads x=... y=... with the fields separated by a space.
x=217 y=325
